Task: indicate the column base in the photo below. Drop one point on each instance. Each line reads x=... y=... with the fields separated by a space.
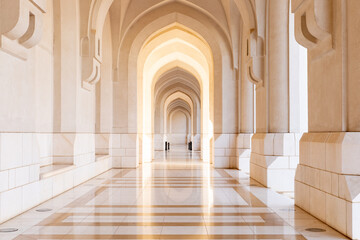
x=225 y=150
x=196 y=142
x=273 y=160
x=159 y=142
x=103 y=143
x=124 y=151
x=27 y=153
x=73 y=148
x=243 y=151
x=327 y=183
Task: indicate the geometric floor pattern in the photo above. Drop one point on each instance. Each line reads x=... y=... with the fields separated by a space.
x=169 y=199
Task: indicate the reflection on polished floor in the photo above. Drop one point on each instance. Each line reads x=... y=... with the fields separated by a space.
x=177 y=152
x=169 y=199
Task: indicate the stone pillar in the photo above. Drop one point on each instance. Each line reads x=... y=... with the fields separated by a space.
x=225 y=150
x=225 y=128
x=243 y=150
x=124 y=150
x=328 y=176
x=73 y=138
x=274 y=153
x=278 y=66
x=246 y=111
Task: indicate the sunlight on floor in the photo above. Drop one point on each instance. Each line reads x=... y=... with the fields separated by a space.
x=171 y=198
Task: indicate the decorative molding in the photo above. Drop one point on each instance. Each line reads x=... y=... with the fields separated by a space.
x=307 y=30
x=91 y=76
x=91 y=28
x=90 y=61
x=258 y=82
x=256 y=53
x=21 y=25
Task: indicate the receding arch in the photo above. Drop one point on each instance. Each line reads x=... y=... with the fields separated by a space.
x=145 y=32
x=172 y=130
x=172 y=81
x=221 y=88
x=173 y=97
x=155 y=57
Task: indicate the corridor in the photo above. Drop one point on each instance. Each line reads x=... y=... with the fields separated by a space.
x=170 y=198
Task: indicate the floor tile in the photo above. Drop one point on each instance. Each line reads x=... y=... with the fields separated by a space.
x=173 y=198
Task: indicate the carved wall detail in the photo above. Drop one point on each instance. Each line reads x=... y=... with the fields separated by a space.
x=256 y=56
x=21 y=25
x=91 y=63
x=313 y=24
x=258 y=82
x=92 y=23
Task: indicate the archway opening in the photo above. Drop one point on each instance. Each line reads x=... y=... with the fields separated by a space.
x=175 y=102
x=173 y=47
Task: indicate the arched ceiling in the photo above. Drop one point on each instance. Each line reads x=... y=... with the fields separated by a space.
x=139 y=8
x=176 y=77
x=173 y=47
x=188 y=45
x=225 y=16
x=170 y=82
x=187 y=116
x=171 y=44
x=224 y=13
x=176 y=80
x=179 y=103
x=176 y=100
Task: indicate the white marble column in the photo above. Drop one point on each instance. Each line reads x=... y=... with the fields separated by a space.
x=278 y=66
x=246 y=119
x=73 y=138
x=274 y=153
x=328 y=175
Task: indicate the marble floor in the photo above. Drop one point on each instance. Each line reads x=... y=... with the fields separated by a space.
x=171 y=198
x=177 y=152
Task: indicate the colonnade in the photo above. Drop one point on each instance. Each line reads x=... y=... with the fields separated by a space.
x=268 y=87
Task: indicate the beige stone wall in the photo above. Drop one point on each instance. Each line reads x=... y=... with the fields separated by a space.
x=26 y=85
x=327 y=173
x=77 y=84
x=274 y=64
x=97 y=85
x=46 y=116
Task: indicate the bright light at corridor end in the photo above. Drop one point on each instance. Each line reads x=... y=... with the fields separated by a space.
x=174 y=47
